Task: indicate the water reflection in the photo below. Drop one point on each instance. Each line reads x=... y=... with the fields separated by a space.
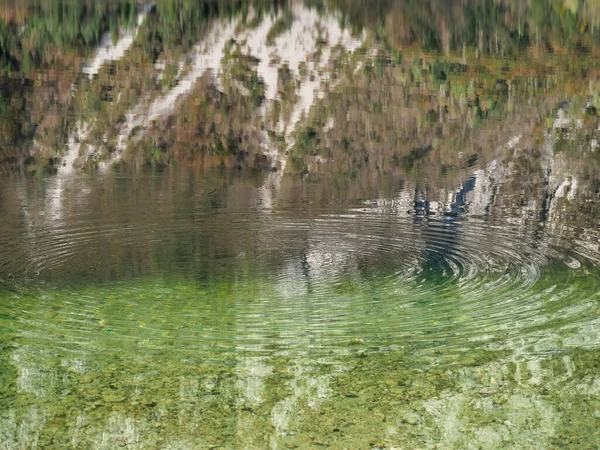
x=299 y=224
x=335 y=91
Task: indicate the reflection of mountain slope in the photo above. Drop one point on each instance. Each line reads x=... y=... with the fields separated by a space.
x=437 y=71
x=110 y=51
x=302 y=52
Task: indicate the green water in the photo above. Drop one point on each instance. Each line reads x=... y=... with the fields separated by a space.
x=339 y=224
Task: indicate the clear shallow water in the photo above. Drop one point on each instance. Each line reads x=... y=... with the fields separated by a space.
x=299 y=225
x=140 y=320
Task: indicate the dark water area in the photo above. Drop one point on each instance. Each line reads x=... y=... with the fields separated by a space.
x=337 y=223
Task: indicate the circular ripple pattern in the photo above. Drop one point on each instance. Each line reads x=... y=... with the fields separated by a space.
x=224 y=276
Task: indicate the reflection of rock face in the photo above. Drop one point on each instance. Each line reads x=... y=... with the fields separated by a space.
x=108 y=51
x=298 y=54
x=302 y=52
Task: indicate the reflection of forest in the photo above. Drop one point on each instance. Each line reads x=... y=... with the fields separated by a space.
x=435 y=86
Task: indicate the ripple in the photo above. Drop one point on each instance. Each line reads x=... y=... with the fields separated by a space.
x=231 y=280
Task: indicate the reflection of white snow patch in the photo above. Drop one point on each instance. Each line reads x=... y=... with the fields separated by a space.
x=251 y=380
x=160 y=67
x=297 y=46
x=587 y=336
x=305 y=386
x=293 y=47
x=329 y=125
x=401 y=204
x=73 y=153
x=568 y=189
x=456 y=414
x=573 y=190
x=22 y=428
x=208 y=56
x=33 y=378
x=481 y=197
x=120 y=431
x=562 y=120
x=512 y=143
x=107 y=51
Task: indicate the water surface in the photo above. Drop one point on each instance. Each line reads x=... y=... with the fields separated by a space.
x=314 y=224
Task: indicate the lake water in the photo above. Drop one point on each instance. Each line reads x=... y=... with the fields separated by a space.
x=300 y=225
